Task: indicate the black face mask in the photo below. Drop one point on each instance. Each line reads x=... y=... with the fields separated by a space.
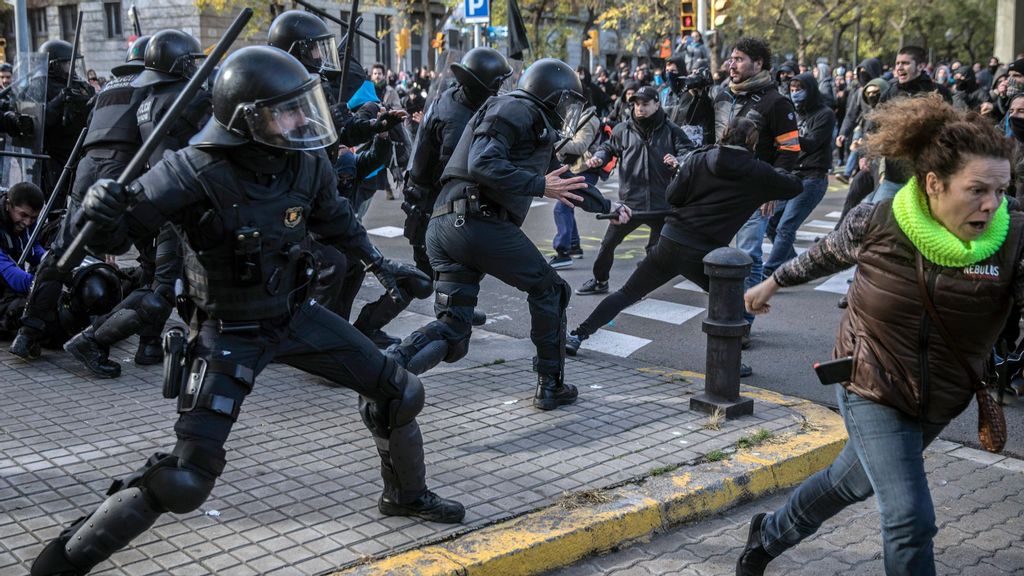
x=1017 y=127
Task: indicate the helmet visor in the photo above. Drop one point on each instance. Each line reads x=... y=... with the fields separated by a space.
x=321 y=53
x=300 y=121
x=569 y=109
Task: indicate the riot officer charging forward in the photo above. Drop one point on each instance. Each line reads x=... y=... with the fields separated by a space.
x=248 y=192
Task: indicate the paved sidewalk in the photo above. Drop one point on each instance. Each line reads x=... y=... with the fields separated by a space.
x=979 y=501
x=299 y=493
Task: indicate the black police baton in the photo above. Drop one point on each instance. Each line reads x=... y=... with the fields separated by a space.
x=71 y=67
x=76 y=250
x=650 y=214
x=335 y=19
x=350 y=39
x=65 y=174
x=10 y=154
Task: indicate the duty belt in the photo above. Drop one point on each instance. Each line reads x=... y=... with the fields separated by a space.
x=471 y=205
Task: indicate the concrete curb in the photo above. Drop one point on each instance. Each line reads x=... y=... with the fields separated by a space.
x=556 y=536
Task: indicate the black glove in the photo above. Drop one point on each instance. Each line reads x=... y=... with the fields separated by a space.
x=387 y=121
x=388 y=273
x=26 y=125
x=105 y=202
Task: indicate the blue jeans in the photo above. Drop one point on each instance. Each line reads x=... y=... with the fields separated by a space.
x=749 y=240
x=882 y=457
x=851 y=162
x=794 y=212
x=566 y=234
x=885 y=191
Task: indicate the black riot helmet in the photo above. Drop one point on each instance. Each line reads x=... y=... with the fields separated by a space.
x=58 y=55
x=482 y=68
x=135 y=60
x=556 y=86
x=306 y=37
x=263 y=94
x=171 y=55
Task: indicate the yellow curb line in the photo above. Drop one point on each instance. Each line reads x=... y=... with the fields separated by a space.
x=556 y=537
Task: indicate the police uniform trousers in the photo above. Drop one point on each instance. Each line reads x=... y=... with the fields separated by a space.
x=313 y=340
x=490 y=245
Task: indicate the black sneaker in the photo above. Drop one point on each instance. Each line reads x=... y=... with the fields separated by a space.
x=843 y=178
x=552 y=393
x=576 y=252
x=745 y=370
x=560 y=260
x=93 y=356
x=429 y=507
x=754 y=558
x=479 y=318
x=843 y=303
x=572 y=344
x=745 y=342
x=593 y=286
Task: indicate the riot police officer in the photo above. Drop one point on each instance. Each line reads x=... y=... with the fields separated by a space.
x=504 y=159
x=170 y=60
x=248 y=192
x=110 y=143
x=478 y=76
x=134 y=60
x=306 y=37
x=67 y=110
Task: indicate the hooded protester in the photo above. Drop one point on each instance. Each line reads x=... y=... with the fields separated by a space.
x=1015 y=121
x=967 y=94
x=868 y=70
x=816 y=122
x=783 y=75
x=826 y=86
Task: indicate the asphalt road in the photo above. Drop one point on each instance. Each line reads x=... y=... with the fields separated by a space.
x=665 y=328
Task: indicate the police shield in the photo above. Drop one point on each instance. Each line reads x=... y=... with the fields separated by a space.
x=29 y=97
x=512 y=81
x=445 y=79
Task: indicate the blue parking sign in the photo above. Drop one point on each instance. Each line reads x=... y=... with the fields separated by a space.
x=477 y=11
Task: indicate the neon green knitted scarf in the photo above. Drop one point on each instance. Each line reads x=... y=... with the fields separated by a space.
x=936 y=243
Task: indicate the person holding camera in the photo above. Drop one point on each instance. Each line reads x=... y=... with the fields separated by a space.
x=649 y=148
x=941 y=257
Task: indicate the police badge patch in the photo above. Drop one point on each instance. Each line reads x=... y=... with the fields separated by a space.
x=293 y=216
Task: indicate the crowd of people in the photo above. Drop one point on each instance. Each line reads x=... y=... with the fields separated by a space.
x=247 y=222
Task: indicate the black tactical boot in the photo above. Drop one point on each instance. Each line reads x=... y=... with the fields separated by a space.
x=53 y=560
x=754 y=558
x=479 y=318
x=26 y=344
x=150 y=352
x=552 y=392
x=93 y=356
x=428 y=506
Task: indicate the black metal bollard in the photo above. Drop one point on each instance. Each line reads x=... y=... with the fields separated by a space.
x=727 y=269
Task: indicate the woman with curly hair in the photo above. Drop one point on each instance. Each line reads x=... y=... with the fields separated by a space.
x=947 y=237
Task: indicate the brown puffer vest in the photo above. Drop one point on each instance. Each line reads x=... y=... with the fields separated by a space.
x=900 y=358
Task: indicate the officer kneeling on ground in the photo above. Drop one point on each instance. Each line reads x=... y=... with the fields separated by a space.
x=503 y=161
x=248 y=192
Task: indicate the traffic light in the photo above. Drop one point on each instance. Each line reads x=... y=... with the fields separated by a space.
x=403 y=41
x=718 y=12
x=687 y=16
x=438 y=42
x=591 y=43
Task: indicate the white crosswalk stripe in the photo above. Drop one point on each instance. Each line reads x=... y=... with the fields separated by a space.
x=663 y=311
x=614 y=343
x=387 y=231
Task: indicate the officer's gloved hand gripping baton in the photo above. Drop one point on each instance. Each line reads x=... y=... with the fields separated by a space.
x=76 y=250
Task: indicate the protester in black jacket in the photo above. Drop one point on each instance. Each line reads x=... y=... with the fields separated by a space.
x=967 y=94
x=816 y=123
x=868 y=70
x=712 y=195
x=649 y=148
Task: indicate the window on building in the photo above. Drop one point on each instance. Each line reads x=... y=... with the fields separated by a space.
x=37 y=23
x=382 y=26
x=357 y=48
x=112 y=17
x=68 y=19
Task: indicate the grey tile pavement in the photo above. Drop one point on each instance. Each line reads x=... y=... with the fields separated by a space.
x=299 y=493
x=979 y=509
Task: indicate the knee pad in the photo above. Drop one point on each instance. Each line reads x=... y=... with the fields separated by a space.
x=419 y=288
x=407 y=401
x=176 y=485
x=156 y=305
